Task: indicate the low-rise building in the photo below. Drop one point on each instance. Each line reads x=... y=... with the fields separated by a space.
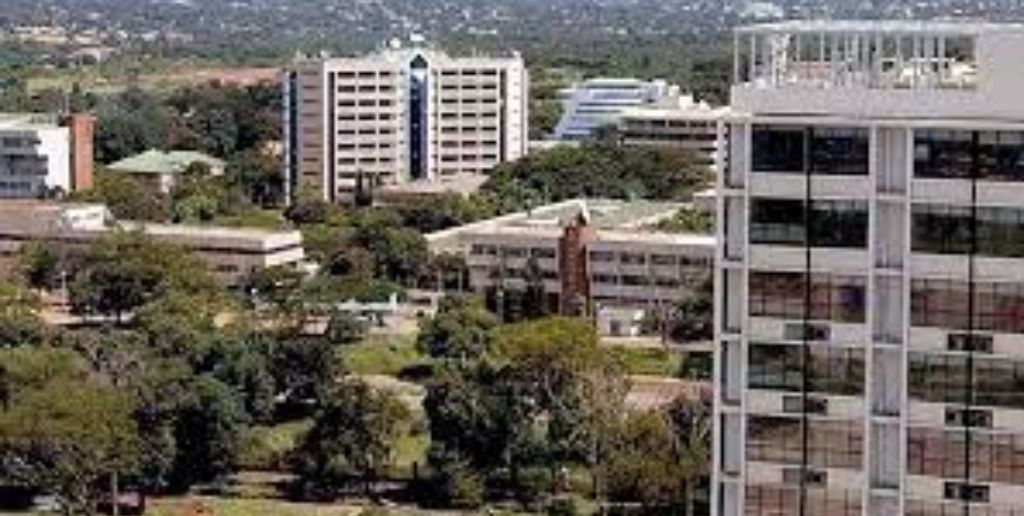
x=586 y=255
x=161 y=170
x=683 y=123
x=231 y=253
x=41 y=155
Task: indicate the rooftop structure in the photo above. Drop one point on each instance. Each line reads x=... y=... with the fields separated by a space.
x=880 y=69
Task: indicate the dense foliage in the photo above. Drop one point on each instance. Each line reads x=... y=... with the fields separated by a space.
x=598 y=169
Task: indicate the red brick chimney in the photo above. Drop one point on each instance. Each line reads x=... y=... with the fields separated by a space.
x=575 y=278
x=82 y=127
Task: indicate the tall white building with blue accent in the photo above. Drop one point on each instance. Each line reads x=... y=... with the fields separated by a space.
x=400 y=115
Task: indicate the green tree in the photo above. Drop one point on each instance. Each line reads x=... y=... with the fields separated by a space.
x=692 y=317
x=62 y=430
x=134 y=121
x=257 y=174
x=443 y=211
x=461 y=330
x=304 y=370
x=20 y=322
x=41 y=265
x=181 y=324
x=126 y=197
x=353 y=437
x=543 y=397
x=243 y=361
x=646 y=465
x=557 y=373
x=200 y=196
x=691 y=422
x=207 y=432
x=345 y=328
x=124 y=270
x=279 y=286
x=598 y=169
x=400 y=253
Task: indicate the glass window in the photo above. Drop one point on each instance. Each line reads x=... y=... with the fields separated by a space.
x=839 y=151
x=830 y=369
x=841 y=224
x=778 y=148
x=939 y=303
x=818 y=150
x=998 y=307
x=830 y=443
x=941 y=229
x=943 y=154
x=831 y=297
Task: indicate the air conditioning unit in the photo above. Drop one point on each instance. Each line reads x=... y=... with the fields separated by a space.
x=811 y=477
x=964 y=492
x=969 y=343
x=797 y=405
x=973 y=418
x=807 y=332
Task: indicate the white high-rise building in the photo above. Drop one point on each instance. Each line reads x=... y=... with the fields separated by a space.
x=399 y=115
x=870 y=272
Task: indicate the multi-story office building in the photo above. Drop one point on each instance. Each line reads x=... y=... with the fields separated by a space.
x=870 y=300
x=399 y=115
x=685 y=124
x=587 y=255
x=598 y=103
x=230 y=253
x=44 y=154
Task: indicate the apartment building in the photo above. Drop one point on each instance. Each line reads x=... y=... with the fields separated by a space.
x=589 y=256
x=401 y=115
x=41 y=154
x=870 y=272
x=230 y=253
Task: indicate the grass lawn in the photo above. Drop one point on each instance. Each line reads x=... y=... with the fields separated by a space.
x=648 y=361
x=225 y=506
x=265 y=447
x=410 y=449
x=382 y=355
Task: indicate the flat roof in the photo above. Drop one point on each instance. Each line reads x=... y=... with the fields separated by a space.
x=658 y=237
x=218 y=233
x=614 y=221
x=695 y=112
x=462 y=183
x=948 y=27
x=28 y=121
